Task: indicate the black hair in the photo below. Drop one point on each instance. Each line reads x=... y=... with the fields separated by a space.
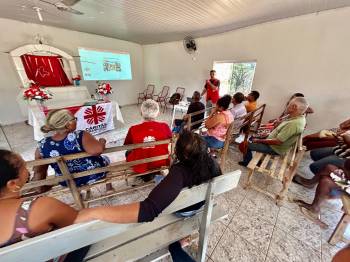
x=298 y=95
x=239 y=97
x=191 y=151
x=224 y=101
x=8 y=168
x=196 y=95
x=212 y=71
x=255 y=94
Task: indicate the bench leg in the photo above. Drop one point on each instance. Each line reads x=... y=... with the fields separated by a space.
x=249 y=180
x=205 y=223
x=339 y=231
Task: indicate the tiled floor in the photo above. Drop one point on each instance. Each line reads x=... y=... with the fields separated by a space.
x=255 y=230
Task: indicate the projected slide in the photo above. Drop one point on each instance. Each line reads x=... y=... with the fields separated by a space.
x=99 y=65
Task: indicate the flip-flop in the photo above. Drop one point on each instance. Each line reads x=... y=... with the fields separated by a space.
x=314 y=217
x=296 y=181
x=299 y=202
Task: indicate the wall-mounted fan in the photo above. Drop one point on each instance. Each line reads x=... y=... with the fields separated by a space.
x=65 y=6
x=190 y=45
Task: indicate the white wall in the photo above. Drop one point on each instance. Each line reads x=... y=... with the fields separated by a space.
x=308 y=54
x=14 y=34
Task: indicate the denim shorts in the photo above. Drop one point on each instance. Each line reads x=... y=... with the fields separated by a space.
x=212 y=142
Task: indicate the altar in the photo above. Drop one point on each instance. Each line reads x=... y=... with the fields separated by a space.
x=92 y=116
x=54 y=69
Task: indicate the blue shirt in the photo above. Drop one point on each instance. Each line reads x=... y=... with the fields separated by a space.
x=72 y=144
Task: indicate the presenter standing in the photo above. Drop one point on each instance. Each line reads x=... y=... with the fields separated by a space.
x=211 y=88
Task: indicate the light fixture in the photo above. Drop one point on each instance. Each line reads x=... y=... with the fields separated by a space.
x=38 y=11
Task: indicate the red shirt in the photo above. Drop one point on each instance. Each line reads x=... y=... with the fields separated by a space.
x=148 y=131
x=213 y=94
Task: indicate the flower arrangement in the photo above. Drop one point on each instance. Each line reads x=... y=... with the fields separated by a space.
x=104 y=89
x=35 y=92
x=77 y=78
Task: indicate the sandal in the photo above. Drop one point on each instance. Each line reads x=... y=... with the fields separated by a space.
x=296 y=180
x=314 y=217
x=299 y=202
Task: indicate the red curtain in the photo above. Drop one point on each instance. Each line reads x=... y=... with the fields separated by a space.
x=45 y=70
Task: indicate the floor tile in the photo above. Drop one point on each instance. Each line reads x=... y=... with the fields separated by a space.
x=19 y=134
x=216 y=232
x=233 y=247
x=328 y=250
x=260 y=205
x=300 y=227
x=252 y=228
x=227 y=205
x=286 y=248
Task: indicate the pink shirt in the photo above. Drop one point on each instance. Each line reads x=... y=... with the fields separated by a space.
x=219 y=131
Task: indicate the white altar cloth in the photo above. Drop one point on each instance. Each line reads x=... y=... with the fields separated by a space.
x=111 y=111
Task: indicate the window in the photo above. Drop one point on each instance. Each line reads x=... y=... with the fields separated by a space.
x=235 y=77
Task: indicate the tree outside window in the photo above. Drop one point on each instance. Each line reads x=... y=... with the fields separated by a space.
x=235 y=77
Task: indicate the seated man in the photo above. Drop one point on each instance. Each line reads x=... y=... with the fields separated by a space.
x=195 y=106
x=284 y=136
x=333 y=181
x=251 y=101
x=148 y=131
x=238 y=110
x=324 y=156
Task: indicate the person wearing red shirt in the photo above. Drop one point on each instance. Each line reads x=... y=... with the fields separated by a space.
x=211 y=88
x=148 y=131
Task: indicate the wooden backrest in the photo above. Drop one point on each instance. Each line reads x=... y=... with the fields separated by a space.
x=64 y=240
x=190 y=124
x=181 y=91
x=113 y=167
x=227 y=143
x=164 y=92
x=150 y=89
x=257 y=116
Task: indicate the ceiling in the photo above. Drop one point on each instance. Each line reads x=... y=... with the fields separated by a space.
x=154 y=21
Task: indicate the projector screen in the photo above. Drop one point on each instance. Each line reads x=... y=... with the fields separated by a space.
x=104 y=65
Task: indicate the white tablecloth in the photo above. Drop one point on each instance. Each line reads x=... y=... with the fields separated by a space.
x=36 y=118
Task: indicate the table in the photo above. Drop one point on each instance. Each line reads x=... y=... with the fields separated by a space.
x=95 y=119
x=182 y=106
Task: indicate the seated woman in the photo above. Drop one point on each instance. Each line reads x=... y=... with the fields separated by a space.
x=193 y=167
x=21 y=219
x=333 y=182
x=325 y=138
x=149 y=130
x=195 y=106
x=66 y=140
x=238 y=110
x=218 y=122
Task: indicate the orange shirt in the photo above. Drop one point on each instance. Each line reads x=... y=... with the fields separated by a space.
x=250 y=106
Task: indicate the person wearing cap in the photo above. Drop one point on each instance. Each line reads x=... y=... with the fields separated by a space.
x=66 y=140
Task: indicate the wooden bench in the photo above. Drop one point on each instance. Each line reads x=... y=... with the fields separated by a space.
x=278 y=167
x=129 y=242
x=222 y=153
x=250 y=123
x=115 y=171
x=338 y=233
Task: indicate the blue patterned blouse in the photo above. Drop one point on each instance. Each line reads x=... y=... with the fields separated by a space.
x=73 y=144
